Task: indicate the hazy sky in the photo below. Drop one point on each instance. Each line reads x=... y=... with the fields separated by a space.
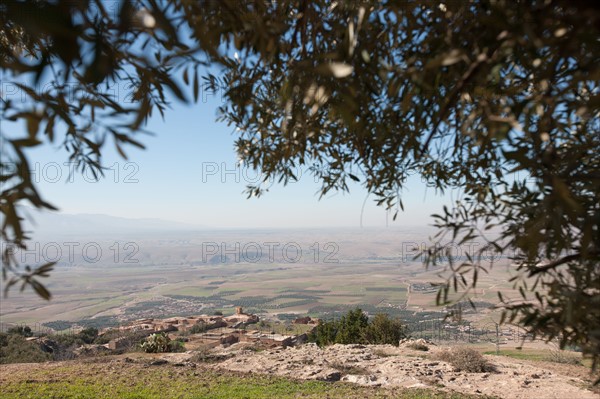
x=188 y=174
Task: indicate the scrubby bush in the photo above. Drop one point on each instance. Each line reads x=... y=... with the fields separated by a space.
x=59 y=325
x=88 y=335
x=107 y=336
x=177 y=345
x=24 y=331
x=14 y=348
x=417 y=346
x=67 y=340
x=563 y=357
x=198 y=328
x=353 y=369
x=383 y=353
x=263 y=324
x=63 y=346
x=202 y=355
x=466 y=359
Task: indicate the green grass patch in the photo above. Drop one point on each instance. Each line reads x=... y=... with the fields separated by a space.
x=134 y=381
x=553 y=356
x=520 y=354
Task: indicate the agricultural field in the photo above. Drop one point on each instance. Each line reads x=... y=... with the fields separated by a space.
x=320 y=273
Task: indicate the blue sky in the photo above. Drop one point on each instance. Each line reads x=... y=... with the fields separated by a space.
x=187 y=174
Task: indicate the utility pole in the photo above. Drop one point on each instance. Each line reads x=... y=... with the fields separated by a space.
x=497 y=339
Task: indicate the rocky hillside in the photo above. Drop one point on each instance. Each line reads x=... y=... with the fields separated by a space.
x=390 y=366
x=407 y=371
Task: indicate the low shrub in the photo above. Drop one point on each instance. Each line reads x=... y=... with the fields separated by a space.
x=254 y=347
x=417 y=346
x=198 y=328
x=107 y=336
x=350 y=369
x=88 y=335
x=14 y=348
x=67 y=340
x=466 y=359
x=563 y=357
x=63 y=346
x=177 y=345
x=25 y=331
x=202 y=355
x=382 y=353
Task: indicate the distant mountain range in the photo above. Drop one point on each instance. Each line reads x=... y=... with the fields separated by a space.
x=54 y=223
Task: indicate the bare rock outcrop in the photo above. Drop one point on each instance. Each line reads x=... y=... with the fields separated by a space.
x=390 y=366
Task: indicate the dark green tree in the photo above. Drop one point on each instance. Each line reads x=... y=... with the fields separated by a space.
x=355 y=328
x=324 y=333
x=471 y=95
x=383 y=330
x=350 y=327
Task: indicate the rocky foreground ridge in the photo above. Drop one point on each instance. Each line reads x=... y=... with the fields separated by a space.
x=390 y=366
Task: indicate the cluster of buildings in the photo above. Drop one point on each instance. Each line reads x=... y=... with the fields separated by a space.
x=231 y=336
x=307 y=320
x=171 y=324
x=217 y=330
x=228 y=336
